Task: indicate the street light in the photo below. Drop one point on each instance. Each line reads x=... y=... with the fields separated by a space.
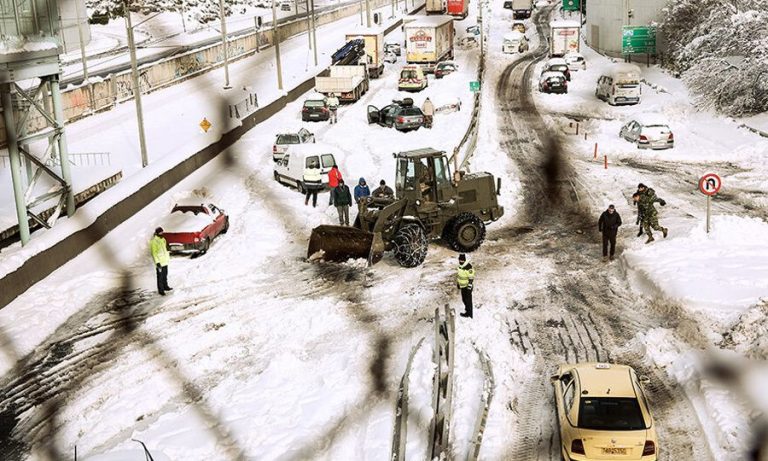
x=222 y=14
x=136 y=87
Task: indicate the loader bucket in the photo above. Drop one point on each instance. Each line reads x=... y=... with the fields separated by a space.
x=340 y=243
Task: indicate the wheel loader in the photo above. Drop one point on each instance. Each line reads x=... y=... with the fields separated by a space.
x=429 y=203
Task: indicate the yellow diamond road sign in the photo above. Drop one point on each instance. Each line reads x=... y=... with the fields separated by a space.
x=205 y=125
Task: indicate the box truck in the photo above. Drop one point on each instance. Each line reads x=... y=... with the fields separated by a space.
x=564 y=37
x=428 y=41
x=374 y=48
x=458 y=8
x=521 y=9
x=435 y=7
x=347 y=77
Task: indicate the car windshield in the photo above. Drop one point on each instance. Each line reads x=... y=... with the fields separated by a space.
x=610 y=414
x=288 y=139
x=558 y=67
x=409 y=74
x=314 y=103
x=411 y=111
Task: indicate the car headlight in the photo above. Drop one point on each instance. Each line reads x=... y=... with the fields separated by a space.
x=418 y=202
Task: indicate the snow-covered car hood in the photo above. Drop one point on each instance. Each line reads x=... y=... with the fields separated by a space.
x=178 y=222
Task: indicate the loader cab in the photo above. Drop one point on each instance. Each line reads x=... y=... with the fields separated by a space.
x=423 y=175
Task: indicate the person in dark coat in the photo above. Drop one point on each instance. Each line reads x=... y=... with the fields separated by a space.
x=383 y=191
x=608 y=224
x=342 y=199
x=361 y=191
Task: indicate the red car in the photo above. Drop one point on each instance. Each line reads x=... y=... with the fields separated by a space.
x=193 y=227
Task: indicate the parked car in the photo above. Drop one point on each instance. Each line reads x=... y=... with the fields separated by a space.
x=575 y=61
x=648 y=131
x=286 y=5
x=603 y=413
x=412 y=78
x=192 y=228
x=620 y=85
x=283 y=140
x=519 y=26
x=447 y=105
x=390 y=57
x=402 y=115
x=289 y=170
x=514 y=42
x=315 y=109
x=557 y=65
x=444 y=68
x=393 y=47
x=553 y=82
x=474 y=30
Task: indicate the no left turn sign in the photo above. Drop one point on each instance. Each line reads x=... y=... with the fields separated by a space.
x=710 y=184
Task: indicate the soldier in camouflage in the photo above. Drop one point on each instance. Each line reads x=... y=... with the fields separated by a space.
x=649 y=216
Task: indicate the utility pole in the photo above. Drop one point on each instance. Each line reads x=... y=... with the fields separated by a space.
x=368 y=13
x=482 y=26
x=361 y=12
x=136 y=88
x=276 y=39
x=223 y=15
x=314 y=30
x=309 y=23
x=183 y=21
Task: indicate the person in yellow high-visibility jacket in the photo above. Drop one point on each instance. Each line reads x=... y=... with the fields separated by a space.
x=161 y=257
x=465 y=278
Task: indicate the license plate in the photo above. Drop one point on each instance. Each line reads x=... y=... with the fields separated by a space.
x=614 y=451
x=314 y=115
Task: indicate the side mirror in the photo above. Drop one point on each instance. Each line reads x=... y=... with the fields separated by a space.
x=644 y=380
x=498 y=186
x=554 y=378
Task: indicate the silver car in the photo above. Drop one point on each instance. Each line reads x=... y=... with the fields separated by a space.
x=648 y=134
x=283 y=140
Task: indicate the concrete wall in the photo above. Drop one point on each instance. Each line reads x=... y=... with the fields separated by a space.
x=605 y=19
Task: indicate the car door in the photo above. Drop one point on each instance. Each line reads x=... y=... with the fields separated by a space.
x=374 y=115
x=634 y=132
x=305 y=136
x=388 y=115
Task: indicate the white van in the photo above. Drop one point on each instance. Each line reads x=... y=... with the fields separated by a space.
x=620 y=85
x=289 y=170
x=514 y=42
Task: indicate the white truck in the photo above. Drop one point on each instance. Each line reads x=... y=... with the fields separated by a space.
x=374 y=48
x=428 y=41
x=521 y=9
x=435 y=7
x=348 y=82
x=564 y=37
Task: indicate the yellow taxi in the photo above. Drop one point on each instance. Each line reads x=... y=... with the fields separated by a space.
x=603 y=414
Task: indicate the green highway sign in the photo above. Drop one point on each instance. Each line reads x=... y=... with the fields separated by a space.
x=638 y=40
x=474 y=87
x=571 y=5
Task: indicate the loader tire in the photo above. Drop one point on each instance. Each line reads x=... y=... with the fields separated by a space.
x=465 y=233
x=410 y=245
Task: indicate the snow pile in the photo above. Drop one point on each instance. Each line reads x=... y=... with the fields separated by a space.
x=720 y=48
x=179 y=222
x=725 y=270
x=13 y=44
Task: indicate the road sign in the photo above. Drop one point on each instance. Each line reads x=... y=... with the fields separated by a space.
x=710 y=184
x=205 y=125
x=474 y=86
x=638 y=40
x=571 y=5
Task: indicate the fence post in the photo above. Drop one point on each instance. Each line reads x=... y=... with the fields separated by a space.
x=595 y=155
x=606 y=161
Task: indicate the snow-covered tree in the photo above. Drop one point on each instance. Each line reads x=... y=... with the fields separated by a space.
x=721 y=50
x=202 y=11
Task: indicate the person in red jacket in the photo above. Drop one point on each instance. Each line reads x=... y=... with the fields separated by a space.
x=334 y=176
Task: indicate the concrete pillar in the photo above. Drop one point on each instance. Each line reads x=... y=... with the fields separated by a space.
x=13 y=153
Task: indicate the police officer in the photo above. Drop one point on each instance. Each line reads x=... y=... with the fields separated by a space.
x=465 y=278
x=160 y=255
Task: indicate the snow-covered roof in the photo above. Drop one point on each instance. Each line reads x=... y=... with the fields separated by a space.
x=315 y=97
x=312 y=149
x=557 y=62
x=573 y=54
x=650 y=119
x=624 y=69
x=514 y=35
x=186 y=222
x=564 y=23
x=550 y=74
x=430 y=21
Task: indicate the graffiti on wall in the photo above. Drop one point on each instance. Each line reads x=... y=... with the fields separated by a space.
x=186 y=65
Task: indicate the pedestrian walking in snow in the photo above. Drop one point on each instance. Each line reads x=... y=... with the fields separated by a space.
x=313 y=182
x=608 y=225
x=361 y=191
x=334 y=176
x=428 y=109
x=161 y=257
x=465 y=278
x=342 y=199
x=650 y=219
x=639 y=220
x=333 y=107
x=383 y=191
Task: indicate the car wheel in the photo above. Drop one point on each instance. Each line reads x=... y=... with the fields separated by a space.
x=225 y=229
x=206 y=246
x=277 y=177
